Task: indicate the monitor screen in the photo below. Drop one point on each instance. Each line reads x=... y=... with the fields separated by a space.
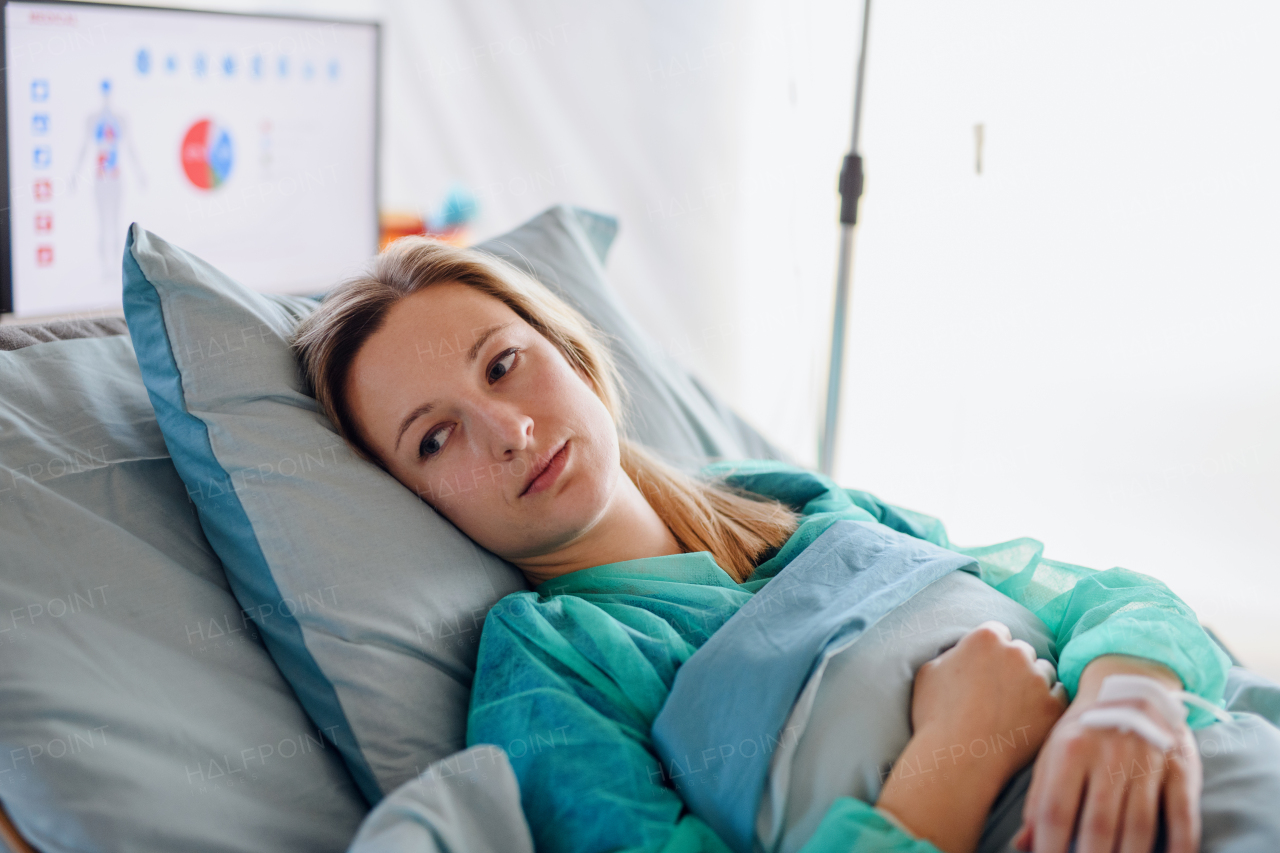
x=248 y=140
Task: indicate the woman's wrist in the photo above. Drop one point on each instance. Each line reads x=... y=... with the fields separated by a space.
x=1100 y=667
x=943 y=785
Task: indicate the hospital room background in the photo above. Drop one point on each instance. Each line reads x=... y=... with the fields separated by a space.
x=1063 y=317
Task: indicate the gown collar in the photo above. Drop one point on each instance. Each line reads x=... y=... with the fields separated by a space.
x=693 y=567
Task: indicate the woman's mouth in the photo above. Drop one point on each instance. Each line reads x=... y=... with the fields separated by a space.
x=549 y=473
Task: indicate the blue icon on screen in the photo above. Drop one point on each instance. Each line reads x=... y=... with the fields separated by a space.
x=39 y=90
x=333 y=69
x=282 y=66
x=200 y=65
x=42 y=156
x=255 y=65
x=171 y=63
x=143 y=61
x=308 y=70
x=228 y=65
x=40 y=123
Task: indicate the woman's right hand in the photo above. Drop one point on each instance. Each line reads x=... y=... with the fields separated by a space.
x=979 y=713
x=993 y=688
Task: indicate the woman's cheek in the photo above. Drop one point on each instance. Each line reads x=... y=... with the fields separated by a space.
x=465 y=514
x=472 y=487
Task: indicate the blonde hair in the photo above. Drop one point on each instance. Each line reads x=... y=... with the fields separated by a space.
x=736 y=526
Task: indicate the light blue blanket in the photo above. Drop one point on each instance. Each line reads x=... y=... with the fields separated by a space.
x=725 y=715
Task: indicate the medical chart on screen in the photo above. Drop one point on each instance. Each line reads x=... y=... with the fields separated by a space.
x=249 y=141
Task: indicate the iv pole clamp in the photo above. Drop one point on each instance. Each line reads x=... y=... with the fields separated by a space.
x=850 y=187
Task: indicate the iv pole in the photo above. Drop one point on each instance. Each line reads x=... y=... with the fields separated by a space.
x=850 y=187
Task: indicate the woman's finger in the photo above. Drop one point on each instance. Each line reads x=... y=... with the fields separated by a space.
x=999 y=627
x=1047 y=670
x=1141 y=812
x=1101 y=816
x=1061 y=790
x=1026 y=649
x=1182 y=800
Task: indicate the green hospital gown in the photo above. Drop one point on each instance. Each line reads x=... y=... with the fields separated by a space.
x=571 y=675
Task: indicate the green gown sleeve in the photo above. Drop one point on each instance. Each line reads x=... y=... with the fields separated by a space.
x=1089 y=612
x=849 y=826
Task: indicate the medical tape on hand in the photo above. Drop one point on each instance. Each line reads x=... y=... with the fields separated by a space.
x=1127 y=718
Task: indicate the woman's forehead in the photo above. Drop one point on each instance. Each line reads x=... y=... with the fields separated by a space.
x=438 y=322
x=427 y=335
x=450 y=308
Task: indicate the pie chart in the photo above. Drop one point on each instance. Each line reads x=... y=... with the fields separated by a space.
x=207 y=154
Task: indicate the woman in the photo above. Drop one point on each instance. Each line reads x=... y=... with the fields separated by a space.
x=493 y=400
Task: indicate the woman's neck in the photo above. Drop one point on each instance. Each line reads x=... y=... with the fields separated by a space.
x=629 y=529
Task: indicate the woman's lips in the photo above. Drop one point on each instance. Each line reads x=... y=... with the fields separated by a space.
x=550 y=473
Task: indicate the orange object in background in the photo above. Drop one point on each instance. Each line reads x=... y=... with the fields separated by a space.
x=392 y=225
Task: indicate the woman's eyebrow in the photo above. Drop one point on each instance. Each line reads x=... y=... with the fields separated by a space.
x=408 y=421
x=426 y=408
x=485 y=334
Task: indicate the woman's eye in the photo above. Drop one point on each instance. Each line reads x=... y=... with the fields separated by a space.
x=501 y=366
x=432 y=442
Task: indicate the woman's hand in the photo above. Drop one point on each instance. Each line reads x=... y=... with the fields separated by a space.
x=987 y=685
x=979 y=712
x=1112 y=782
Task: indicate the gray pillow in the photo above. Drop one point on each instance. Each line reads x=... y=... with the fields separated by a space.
x=141 y=711
x=18 y=336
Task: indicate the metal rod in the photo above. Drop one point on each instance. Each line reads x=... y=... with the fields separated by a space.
x=850 y=190
x=827 y=449
x=862 y=68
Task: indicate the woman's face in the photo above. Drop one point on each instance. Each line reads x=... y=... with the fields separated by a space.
x=466 y=404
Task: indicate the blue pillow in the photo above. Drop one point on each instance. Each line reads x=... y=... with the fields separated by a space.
x=140 y=709
x=389 y=598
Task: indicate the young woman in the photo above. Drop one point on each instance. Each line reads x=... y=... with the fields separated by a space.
x=445 y=364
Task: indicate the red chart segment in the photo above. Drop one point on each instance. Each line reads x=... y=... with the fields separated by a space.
x=207 y=154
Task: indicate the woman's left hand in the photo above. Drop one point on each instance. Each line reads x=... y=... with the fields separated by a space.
x=1106 y=786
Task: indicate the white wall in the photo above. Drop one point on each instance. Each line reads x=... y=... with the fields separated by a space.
x=1080 y=343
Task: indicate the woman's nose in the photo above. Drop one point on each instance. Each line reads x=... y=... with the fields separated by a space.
x=510 y=428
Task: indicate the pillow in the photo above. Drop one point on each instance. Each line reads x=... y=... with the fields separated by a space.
x=388 y=597
x=469 y=801
x=141 y=711
x=17 y=337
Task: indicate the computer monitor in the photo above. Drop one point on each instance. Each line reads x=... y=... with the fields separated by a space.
x=249 y=140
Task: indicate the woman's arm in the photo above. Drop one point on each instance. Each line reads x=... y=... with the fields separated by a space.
x=570 y=694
